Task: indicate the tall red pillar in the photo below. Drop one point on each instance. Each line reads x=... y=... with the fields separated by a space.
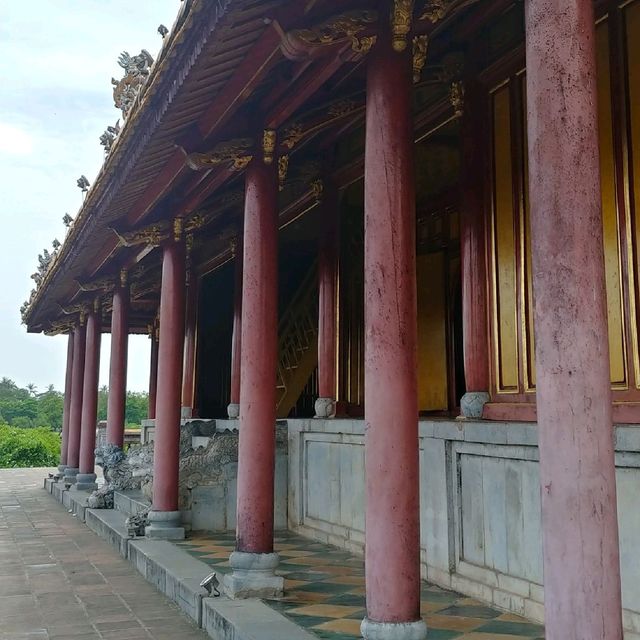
x=75 y=407
x=153 y=372
x=473 y=255
x=392 y=530
x=190 y=339
x=86 y=478
x=254 y=561
x=576 y=438
x=118 y=366
x=233 y=410
x=328 y=250
x=165 y=517
x=67 y=405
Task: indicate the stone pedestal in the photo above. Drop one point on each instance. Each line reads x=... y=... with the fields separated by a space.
x=233 y=411
x=393 y=631
x=86 y=482
x=325 y=408
x=70 y=475
x=165 y=525
x=472 y=404
x=254 y=576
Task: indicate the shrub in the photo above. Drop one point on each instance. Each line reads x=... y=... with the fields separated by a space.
x=28 y=447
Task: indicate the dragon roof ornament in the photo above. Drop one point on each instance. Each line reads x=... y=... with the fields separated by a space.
x=126 y=90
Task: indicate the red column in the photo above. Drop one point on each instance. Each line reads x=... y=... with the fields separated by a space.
x=327 y=306
x=472 y=257
x=75 y=408
x=256 y=455
x=118 y=366
x=67 y=405
x=577 y=467
x=391 y=399
x=86 y=477
x=233 y=410
x=165 y=517
x=153 y=373
x=190 y=337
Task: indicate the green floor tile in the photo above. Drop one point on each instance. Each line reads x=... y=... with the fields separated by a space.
x=504 y=627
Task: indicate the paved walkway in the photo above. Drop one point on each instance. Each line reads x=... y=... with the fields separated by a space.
x=58 y=580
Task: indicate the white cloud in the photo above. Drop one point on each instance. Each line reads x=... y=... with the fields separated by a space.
x=15 y=141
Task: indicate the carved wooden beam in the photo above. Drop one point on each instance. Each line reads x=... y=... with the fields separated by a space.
x=236 y=154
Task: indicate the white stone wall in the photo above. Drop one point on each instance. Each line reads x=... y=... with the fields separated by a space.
x=480 y=505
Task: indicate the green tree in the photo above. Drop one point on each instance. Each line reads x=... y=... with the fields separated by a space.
x=50 y=409
x=28 y=447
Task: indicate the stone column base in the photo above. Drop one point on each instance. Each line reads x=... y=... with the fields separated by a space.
x=186 y=413
x=233 y=411
x=325 y=408
x=86 y=482
x=165 y=525
x=393 y=630
x=253 y=576
x=70 y=474
x=472 y=404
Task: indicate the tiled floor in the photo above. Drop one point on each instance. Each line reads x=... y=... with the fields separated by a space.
x=324 y=592
x=59 y=581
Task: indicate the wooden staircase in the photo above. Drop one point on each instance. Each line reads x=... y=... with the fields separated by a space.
x=297 y=344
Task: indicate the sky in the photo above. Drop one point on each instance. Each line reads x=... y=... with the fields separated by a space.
x=57 y=58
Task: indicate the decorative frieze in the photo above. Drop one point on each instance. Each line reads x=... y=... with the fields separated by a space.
x=236 y=153
x=420 y=47
x=269 y=145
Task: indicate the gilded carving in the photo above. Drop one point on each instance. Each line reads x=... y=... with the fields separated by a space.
x=293 y=135
x=238 y=153
x=283 y=169
x=342 y=108
x=178 y=229
x=317 y=189
x=124 y=277
x=344 y=27
x=269 y=145
x=420 y=46
x=401 y=19
x=103 y=284
x=456 y=97
x=153 y=235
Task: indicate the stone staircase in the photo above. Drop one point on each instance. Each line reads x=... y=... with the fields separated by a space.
x=297 y=344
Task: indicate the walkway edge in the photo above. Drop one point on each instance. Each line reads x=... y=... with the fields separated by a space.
x=177 y=574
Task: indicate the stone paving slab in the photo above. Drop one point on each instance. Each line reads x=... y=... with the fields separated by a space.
x=59 y=581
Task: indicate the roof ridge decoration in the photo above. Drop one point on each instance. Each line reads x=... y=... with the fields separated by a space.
x=127 y=89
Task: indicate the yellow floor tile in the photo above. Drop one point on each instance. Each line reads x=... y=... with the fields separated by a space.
x=346 y=625
x=325 y=610
x=455 y=623
x=355 y=580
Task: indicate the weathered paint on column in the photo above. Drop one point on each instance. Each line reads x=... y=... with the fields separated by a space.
x=118 y=365
x=90 y=394
x=153 y=373
x=391 y=402
x=256 y=454
x=190 y=337
x=473 y=255
x=67 y=403
x=77 y=383
x=577 y=470
x=327 y=304
x=168 y=401
x=236 y=339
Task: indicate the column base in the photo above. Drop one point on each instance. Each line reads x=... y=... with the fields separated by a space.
x=165 y=525
x=253 y=576
x=62 y=468
x=70 y=474
x=86 y=482
x=186 y=413
x=325 y=408
x=393 y=630
x=472 y=404
x=233 y=411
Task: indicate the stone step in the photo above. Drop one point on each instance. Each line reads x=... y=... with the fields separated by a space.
x=109 y=524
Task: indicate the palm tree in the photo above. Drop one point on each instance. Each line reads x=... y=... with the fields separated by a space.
x=32 y=389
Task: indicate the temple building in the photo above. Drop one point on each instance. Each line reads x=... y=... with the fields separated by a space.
x=392 y=246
